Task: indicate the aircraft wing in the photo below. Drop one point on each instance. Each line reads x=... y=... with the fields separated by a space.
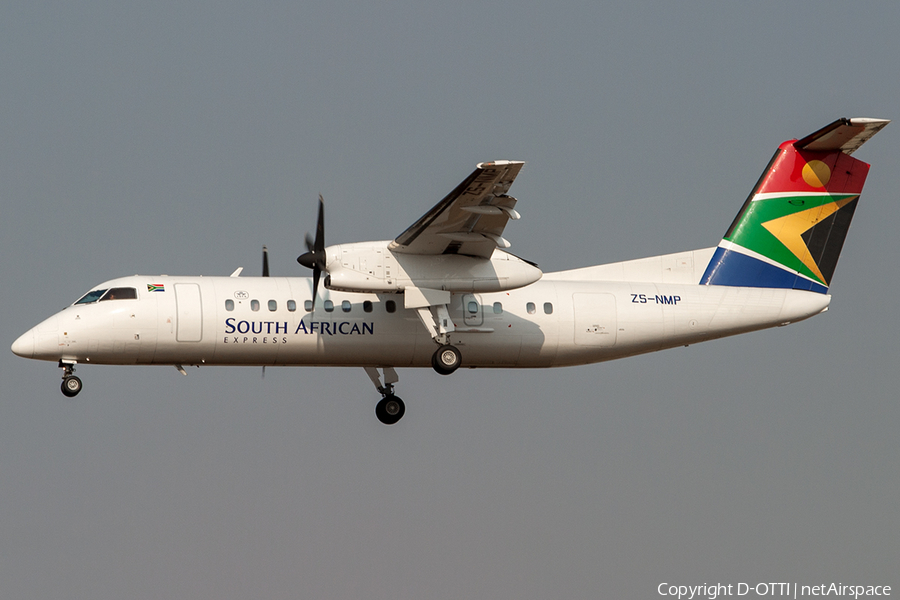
x=470 y=219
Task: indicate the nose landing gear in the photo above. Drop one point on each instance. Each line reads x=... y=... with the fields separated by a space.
x=71 y=385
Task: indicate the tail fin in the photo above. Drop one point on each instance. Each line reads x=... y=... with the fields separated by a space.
x=790 y=231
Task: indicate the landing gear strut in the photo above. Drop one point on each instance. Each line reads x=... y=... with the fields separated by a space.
x=71 y=385
x=390 y=408
x=436 y=319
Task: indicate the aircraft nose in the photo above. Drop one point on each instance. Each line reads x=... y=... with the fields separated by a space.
x=40 y=342
x=24 y=346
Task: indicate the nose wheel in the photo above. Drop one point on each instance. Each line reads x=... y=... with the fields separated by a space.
x=71 y=385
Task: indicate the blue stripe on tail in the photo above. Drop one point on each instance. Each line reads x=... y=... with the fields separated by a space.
x=729 y=267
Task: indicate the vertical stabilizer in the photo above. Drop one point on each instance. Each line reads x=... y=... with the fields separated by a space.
x=791 y=229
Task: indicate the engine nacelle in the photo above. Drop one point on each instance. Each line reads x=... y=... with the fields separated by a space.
x=371 y=267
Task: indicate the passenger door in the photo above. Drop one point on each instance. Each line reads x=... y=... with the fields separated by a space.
x=189 y=313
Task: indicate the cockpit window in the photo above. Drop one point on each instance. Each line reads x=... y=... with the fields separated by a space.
x=120 y=294
x=92 y=296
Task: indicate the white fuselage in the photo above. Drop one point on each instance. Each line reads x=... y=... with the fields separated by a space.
x=569 y=318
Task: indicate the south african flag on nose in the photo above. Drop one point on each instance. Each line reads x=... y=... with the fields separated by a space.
x=156 y=287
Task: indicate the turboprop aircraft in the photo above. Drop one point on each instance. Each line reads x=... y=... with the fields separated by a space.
x=446 y=293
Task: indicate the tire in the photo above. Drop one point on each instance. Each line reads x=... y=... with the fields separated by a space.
x=70 y=387
x=446 y=359
x=390 y=409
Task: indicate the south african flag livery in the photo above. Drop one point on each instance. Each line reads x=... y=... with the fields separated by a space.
x=792 y=227
x=156 y=287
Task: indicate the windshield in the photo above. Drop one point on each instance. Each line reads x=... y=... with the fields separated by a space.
x=120 y=294
x=92 y=296
x=110 y=294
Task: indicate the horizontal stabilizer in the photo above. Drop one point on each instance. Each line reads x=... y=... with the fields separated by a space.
x=846 y=135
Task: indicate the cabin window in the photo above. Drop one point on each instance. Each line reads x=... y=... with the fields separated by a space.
x=548 y=308
x=91 y=297
x=345 y=306
x=229 y=305
x=390 y=306
x=498 y=308
x=307 y=305
x=273 y=306
x=254 y=305
x=291 y=305
x=367 y=306
x=120 y=294
x=472 y=307
x=329 y=306
x=530 y=308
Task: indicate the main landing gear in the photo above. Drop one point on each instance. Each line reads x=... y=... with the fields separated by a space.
x=71 y=385
x=436 y=319
x=390 y=408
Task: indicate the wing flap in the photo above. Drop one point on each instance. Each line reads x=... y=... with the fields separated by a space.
x=470 y=220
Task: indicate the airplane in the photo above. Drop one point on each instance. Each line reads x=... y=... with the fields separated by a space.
x=446 y=293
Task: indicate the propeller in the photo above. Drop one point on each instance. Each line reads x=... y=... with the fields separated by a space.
x=314 y=258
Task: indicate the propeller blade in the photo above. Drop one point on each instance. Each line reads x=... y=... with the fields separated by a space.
x=265 y=262
x=320 y=228
x=316 y=274
x=310 y=244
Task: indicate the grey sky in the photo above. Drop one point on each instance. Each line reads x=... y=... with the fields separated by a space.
x=179 y=137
